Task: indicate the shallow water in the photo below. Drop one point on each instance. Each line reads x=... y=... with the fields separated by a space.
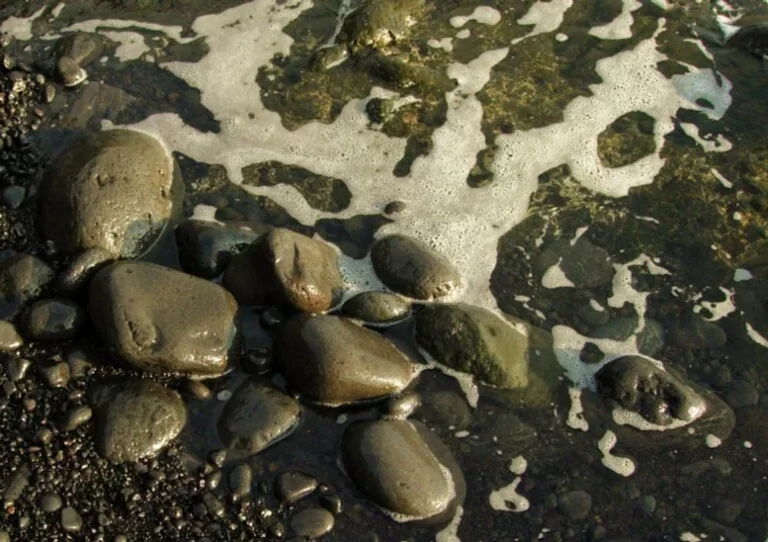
x=631 y=125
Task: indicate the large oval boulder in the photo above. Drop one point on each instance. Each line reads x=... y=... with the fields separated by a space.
x=286 y=269
x=164 y=321
x=334 y=361
x=110 y=190
x=475 y=341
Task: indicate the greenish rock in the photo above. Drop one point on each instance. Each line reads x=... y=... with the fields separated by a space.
x=628 y=139
x=575 y=504
x=475 y=341
x=112 y=190
x=650 y=339
x=333 y=361
x=83 y=48
x=136 y=419
x=52 y=320
x=377 y=308
x=256 y=417
x=584 y=264
x=591 y=316
x=22 y=278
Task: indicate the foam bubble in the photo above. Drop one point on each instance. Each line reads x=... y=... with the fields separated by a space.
x=20 y=27
x=554 y=277
x=620 y=465
x=131 y=47
x=544 y=17
x=482 y=14
x=756 y=336
x=507 y=499
x=450 y=532
x=741 y=275
x=621 y=27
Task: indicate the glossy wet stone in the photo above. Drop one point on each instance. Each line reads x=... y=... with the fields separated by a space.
x=256 y=417
x=444 y=409
x=240 y=480
x=81 y=270
x=206 y=248
x=392 y=465
x=475 y=341
x=55 y=374
x=50 y=502
x=377 y=308
x=76 y=417
x=160 y=320
x=286 y=269
x=52 y=320
x=69 y=73
x=333 y=361
x=16 y=368
x=584 y=264
x=402 y=406
x=111 y=190
x=313 y=522
x=293 y=486
x=22 y=278
x=10 y=339
x=136 y=419
x=412 y=268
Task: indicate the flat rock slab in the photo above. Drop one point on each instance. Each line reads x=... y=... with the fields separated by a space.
x=136 y=419
x=412 y=268
x=164 y=321
x=333 y=361
x=111 y=190
x=286 y=269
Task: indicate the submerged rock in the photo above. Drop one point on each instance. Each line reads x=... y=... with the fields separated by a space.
x=160 y=320
x=752 y=39
x=584 y=264
x=695 y=333
x=333 y=361
x=377 y=308
x=136 y=419
x=22 y=278
x=390 y=462
x=256 y=417
x=475 y=341
x=52 y=320
x=650 y=339
x=207 y=248
x=285 y=268
x=378 y=23
x=412 y=268
x=111 y=190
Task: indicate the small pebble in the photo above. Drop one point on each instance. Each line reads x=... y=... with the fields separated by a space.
x=44 y=435
x=50 y=502
x=276 y=529
x=293 y=486
x=312 y=522
x=79 y=364
x=13 y=196
x=257 y=361
x=17 y=368
x=240 y=480
x=57 y=375
x=217 y=458
x=71 y=521
x=70 y=73
x=76 y=417
x=10 y=339
x=271 y=318
x=332 y=503
x=197 y=390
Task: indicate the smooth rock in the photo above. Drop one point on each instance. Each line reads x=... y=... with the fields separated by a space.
x=444 y=409
x=56 y=375
x=52 y=320
x=584 y=264
x=71 y=521
x=377 y=308
x=206 y=248
x=240 y=480
x=112 y=190
x=82 y=269
x=312 y=522
x=293 y=486
x=332 y=503
x=740 y=394
x=10 y=339
x=475 y=341
x=75 y=418
x=13 y=196
x=650 y=339
x=16 y=368
x=51 y=502
x=286 y=269
x=22 y=278
x=160 y=320
x=70 y=74
x=575 y=504
x=256 y=417
x=402 y=406
x=695 y=333
x=389 y=461
x=136 y=419
x=333 y=361
x=412 y=268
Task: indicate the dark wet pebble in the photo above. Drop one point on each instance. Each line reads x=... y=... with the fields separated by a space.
x=390 y=462
x=740 y=394
x=475 y=341
x=752 y=39
x=312 y=522
x=51 y=502
x=22 y=278
x=377 y=308
x=217 y=458
x=257 y=361
x=197 y=390
x=286 y=269
x=276 y=529
x=332 y=503
x=402 y=406
x=71 y=521
x=69 y=73
x=214 y=505
x=52 y=320
x=256 y=417
x=44 y=436
x=695 y=333
x=136 y=419
x=13 y=196
x=592 y=316
x=647 y=504
x=10 y=339
x=161 y=320
x=206 y=248
x=76 y=417
x=293 y=486
x=80 y=363
x=650 y=339
x=55 y=375
x=16 y=368
x=412 y=268
x=333 y=361
x=575 y=504
x=271 y=318
x=17 y=484
x=240 y=480
x=724 y=510
x=82 y=269
x=584 y=264
x=444 y=409
x=325 y=58
x=130 y=168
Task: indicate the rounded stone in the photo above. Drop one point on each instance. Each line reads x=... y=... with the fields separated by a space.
x=71 y=521
x=22 y=278
x=206 y=248
x=412 y=268
x=741 y=393
x=80 y=270
x=50 y=502
x=10 y=339
x=333 y=361
x=695 y=333
x=52 y=320
x=136 y=419
x=312 y=522
x=575 y=504
x=56 y=375
x=69 y=72
x=110 y=190
x=75 y=418
x=240 y=480
x=293 y=486
x=402 y=406
x=377 y=308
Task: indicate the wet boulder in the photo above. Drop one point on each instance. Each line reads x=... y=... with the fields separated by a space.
x=333 y=361
x=22 y=278
x=136 y=419
x=475 y=341
x=286 y=269
x=412 y=268
x=584 y=264
x=164 y=321
x=206 y=248
x=256 y=417
x=377 y=308
x=379 y=23
x=392 y=464
x=110 y=190
x=753 y=39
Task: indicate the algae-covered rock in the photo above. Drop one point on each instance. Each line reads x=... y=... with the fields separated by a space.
x=378 y=23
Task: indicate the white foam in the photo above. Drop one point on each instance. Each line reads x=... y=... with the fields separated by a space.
x=663 y=4
x=620 y=465
x=596 y=306
x=482 y=14
x=101 y=25
x=741 y=275
x=544 y=17
x=450 y=532
x=446 y=44
x=689 y=537
x=518 y=465
x=756 y=336
x=55 y=12
x=621 y=27
x=719 y=144
x=713 y=441
x=554 y=277
x=463 y=34
x=623 y=416
x=205 y=213
x=719 y=309
x=561 y=37
x=725 y=182
x=132 y=44
x=507 y=499
x=20 y=27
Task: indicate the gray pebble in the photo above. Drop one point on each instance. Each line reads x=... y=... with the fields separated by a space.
x=76 y=417
x=575 y=504
x=197 y=390
x=10 y=339
x=312 y=522
x=17 y=368
x=50 y=502
x=294 y=486
x=402 y=406
x=740 y=394
x=71 y=521
x=52 y=320
x=56 y=375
